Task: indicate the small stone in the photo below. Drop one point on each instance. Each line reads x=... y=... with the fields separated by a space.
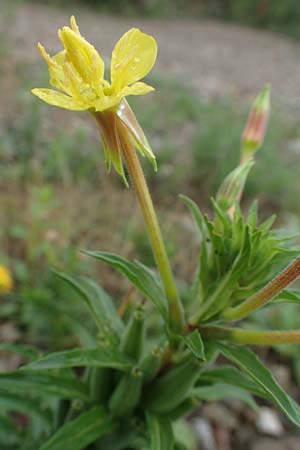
x=204 y=433
x=282 y=375
x=268 y=422
x=220 y=415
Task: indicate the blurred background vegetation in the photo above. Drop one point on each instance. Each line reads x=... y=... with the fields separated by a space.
x=56 y=197
x=277 y=15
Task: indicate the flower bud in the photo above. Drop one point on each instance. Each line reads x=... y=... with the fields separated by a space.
x=233 y=185
x=256 y=125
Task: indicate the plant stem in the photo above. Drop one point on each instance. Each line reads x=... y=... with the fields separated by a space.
x=251 y=337
x=280 y=282
x=154 y=233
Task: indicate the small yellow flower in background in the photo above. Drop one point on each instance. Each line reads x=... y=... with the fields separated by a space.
x=77 y=73
x=6 y=281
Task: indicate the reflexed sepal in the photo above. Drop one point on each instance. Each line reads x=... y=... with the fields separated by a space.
x=137 y=136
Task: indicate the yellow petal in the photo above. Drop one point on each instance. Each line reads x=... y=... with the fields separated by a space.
x=83 y=56
x=58 y=99
x=107 y=102
x=74 y=25
x=133 y=57
x=55 y=67
x=138 y=88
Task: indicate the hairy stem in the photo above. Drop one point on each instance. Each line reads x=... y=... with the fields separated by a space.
x=280 y=282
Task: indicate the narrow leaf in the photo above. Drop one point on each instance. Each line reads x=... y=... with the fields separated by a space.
x=194 y=342
x=222 y=391
x=25 y=351
x=43 y=384
x=14 y=402
x=138 y=276
x=81 y=432
x=8 y=432
x=97 y=300
x=161 y=432
x=86 y=357
x=230 y=375
x=250 y=364
x=289 y=296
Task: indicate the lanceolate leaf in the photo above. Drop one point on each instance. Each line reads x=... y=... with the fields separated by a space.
x=86 y=357
x=250 y=364
x=222 y=391
x=14 y=402
x=291 y=295
x=37 y=384
x=230 y=375
x=81 y=432
x=8 y=433
x=196 y=213
x=161 y=432
x=98 y=301
x=139 y=277
x=23 y=350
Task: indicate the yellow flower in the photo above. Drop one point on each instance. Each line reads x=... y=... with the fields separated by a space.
x=6 y=281
x=77 y=72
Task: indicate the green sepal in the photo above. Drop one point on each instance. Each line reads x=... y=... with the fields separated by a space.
x=127 y=393
x=133 y=339
x=150 y=364
x=100 y=380
x=173 y=387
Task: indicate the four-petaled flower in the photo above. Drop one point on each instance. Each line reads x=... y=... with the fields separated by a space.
x=78 y=74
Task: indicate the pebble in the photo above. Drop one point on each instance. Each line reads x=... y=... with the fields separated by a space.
x=268 y=422
x=204 y=433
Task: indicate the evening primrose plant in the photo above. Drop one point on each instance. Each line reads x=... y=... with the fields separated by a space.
x=154 y=358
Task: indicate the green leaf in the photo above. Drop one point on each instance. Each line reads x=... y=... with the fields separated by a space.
x=97 y=300
x=81 y=432
x=250 y=364
x=139 y=276
x=196 y=213
x=86 y=357
x=14 y=402
x=8 y=432
x=194 y=342
x=23 y=350
x=161 y=432
x=291 y=296
x=230 y=375
x=222 y=391
x=44 y=384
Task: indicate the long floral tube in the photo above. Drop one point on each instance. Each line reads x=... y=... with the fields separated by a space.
x=250 y=337
x=280 y=282
x=159 y=251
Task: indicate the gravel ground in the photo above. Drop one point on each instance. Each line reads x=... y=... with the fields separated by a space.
x=216 y=59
